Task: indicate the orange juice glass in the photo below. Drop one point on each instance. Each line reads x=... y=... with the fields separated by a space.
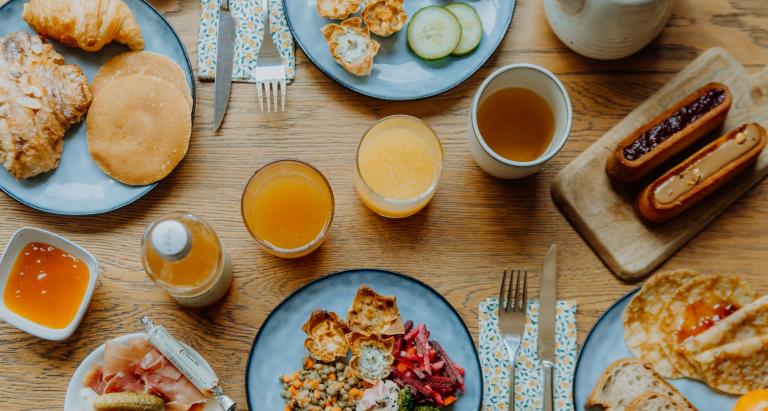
x=288 y=208
x=399 y=161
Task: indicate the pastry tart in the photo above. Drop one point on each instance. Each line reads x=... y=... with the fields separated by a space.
x=337 y=9
x=372 y=357
x=385 y=17
x=372 y=313
x=351 y=45
x=326 y=336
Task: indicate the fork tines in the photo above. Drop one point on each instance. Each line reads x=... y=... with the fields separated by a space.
x=516 y=296
x=268 y=91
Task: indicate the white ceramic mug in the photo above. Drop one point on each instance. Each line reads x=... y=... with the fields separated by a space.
x=545 y=84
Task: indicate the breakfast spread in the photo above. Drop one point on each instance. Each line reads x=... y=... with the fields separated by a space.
x=351 y=45
x=40 y=98
x=87 y=24
x=46 y=285
x=393 y=365
x=705 y=327
x=138 y=129
x=631 y=385
x=669 y=133
x=702 y=173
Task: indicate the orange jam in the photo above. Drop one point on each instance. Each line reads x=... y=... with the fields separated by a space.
x=46 y=285
x=701 y=315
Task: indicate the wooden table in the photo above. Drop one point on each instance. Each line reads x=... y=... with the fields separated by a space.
x=475 y=226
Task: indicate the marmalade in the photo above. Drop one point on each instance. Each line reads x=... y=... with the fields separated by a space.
x=46 y=285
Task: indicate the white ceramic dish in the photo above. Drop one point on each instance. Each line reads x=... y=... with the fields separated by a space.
x=20 y=239
x=544 y=83
x=74 y=400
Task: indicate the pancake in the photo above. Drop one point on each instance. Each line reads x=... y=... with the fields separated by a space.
x=702 y=300
x=729 y=355
x=142 y=62
x=138 y=129
x=642 y=319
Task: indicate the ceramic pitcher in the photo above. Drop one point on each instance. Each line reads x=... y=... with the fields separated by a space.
x=607 y=29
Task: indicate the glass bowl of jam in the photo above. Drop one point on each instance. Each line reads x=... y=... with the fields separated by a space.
x=47 y=283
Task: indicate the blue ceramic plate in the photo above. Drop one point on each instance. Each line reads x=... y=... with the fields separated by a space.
x=279 y=346
x=605 y=344
x=398 y=74
x=78 y=186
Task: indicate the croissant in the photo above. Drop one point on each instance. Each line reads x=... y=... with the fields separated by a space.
x=87 y=24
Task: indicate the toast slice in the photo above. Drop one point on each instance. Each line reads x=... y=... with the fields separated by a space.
x=654 y=401
x=627 y=379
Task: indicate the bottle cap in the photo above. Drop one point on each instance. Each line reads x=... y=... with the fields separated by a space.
x=171 y=240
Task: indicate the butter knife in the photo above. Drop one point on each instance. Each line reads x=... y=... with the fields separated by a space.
x=225 y=50
x=546 y=342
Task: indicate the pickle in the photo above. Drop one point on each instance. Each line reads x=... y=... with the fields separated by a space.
x=128 y=401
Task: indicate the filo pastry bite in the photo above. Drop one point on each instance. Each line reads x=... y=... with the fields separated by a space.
x=385 y=17
x=702 y=173
x=338 y=9
x=351 y=45
x=669 y=133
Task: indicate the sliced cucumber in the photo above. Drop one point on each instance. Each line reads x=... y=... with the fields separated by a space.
x=433 y=33
x=471 y=28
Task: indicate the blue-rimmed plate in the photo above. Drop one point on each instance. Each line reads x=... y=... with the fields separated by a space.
x=398 y=74
x=279 y=345
x=78 y=186
x=605 y=344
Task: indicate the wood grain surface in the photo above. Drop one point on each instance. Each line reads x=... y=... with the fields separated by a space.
x=604 y=212
x=475 y=226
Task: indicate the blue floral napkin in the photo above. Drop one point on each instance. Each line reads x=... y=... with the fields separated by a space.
x=528 y=372
x=248 y=14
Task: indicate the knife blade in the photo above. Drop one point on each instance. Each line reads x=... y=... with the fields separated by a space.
x=225 y=50
x=546 y=338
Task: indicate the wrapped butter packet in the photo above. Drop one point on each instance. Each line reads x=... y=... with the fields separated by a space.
x=188 y=362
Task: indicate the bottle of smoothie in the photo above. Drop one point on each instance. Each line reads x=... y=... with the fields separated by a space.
x=183 y=255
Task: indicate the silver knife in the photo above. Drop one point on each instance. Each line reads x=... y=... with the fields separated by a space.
x=225 y=50
x=546 y=343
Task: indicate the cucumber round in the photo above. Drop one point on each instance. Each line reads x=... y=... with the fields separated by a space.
x=471 y=28
x=433 y=33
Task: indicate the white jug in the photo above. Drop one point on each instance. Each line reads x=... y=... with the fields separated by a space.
x=607 y=29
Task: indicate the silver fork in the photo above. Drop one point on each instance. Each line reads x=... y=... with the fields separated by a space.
x=513 y=307
x=270 y=72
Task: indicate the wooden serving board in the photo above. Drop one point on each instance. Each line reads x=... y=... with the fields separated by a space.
x=603 y=212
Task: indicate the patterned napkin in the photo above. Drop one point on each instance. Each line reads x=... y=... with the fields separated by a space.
x=528 y=372
x=248 y=14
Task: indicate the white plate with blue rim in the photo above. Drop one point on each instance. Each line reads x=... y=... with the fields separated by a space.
x=398 y=74
x=78 y=186
x=278 y=348
x=605 y=344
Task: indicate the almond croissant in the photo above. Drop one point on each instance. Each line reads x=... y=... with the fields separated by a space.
x=87 y=24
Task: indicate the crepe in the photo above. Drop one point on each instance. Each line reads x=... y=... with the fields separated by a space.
x=326 y=336
x=732 y=356
x=138 y=129
x=642 y=319
x=372 y=313
x=142 y=62
x=689 y=308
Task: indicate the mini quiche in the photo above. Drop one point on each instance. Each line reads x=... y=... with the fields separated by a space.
x=372 y=313
x=337 y=9
x=326 y=336
x=351 y=45
x=385 y=17
x=372 y=356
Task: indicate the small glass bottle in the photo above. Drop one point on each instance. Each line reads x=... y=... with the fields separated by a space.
x=183 y=255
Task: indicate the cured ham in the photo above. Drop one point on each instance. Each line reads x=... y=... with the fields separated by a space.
x=139 y=367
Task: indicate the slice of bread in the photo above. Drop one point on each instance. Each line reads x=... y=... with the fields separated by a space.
x=627 y=379
x=654 y=401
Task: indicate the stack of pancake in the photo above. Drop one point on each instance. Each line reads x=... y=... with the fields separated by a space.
x=140 y=120
x=711 y=328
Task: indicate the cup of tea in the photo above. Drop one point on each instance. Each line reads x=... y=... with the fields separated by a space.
x=520 y=118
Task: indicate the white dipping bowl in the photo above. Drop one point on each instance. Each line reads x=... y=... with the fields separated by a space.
x=20 y=240
x=545 y=84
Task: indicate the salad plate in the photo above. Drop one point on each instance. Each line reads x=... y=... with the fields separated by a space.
x=398 y=73
x=78 y=186
x=278 y=348
x=605 y=344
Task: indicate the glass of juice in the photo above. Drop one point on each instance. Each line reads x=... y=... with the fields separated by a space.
x=399 y=161
x=288 y=208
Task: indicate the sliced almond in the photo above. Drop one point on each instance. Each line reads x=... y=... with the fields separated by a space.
x=30 y=102
x=31 y=90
